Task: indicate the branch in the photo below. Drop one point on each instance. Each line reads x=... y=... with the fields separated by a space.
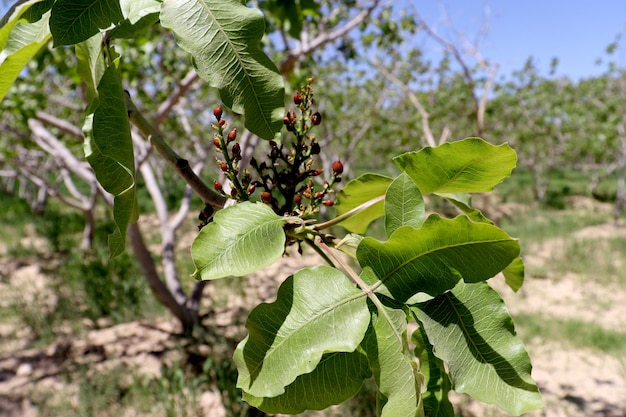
x=180 y=165
x=62 y=125
x=430 y=139
x=305 y=48
x=181 y=88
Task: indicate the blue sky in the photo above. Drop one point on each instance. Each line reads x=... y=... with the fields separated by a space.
x=576 y=32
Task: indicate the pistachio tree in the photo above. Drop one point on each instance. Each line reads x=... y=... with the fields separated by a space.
x=412 y=310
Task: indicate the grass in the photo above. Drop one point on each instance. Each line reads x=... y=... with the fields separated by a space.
x=574 y=333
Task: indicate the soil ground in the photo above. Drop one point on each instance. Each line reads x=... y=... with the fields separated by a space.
x=575 y=381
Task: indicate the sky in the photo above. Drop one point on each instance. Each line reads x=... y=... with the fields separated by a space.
x=576 y=32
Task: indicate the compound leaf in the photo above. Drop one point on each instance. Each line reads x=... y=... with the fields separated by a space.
x=471 y=330
x=317 y=311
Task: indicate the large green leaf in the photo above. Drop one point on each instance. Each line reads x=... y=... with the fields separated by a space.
x=359 y=191
x=394 y=371
x=91 y=64
x=404 y=204
x=240 y=239
x=20 y=40
x=74 y=21
x=139 y=15
x=336 y=378
x=436 y=381
x=109 y=150
x=223 y=36
x=433 y=258
x=467 y=166
x=471 y=330
x=317 y=311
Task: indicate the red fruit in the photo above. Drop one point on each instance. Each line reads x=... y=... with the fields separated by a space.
x=328 y=203
x=266 y=197
x=316 y=118
x=297 y=98
x=216 y=142
x=232 y=135
x=218 y=186
x=251 y=189
x=233 y=192
x=337 y=167
x=224 y=166
x=222 y=122
x=319 y=195
x=217 y=112
x=315 y=172
x=297 y=199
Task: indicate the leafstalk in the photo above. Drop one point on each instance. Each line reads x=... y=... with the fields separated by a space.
x=349 y=213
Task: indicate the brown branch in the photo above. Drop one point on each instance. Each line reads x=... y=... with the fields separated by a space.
x=180 y=165
x=305 y=48
x=181 y=88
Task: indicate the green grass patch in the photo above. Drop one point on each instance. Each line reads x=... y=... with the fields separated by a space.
x=575 y=333
x=535 y=225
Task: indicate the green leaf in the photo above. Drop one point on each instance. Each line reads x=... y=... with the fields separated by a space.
x=135 y=10
x=223 y=36
x=467 y=166
x=109 y=150
x=359 y=191
x=433 y=258
x=463 y=202
x=395 y=373
x=514 y=274
x=29 y=11
x=404 y=204
x=240 y=239
x=436 y=381
x=139 y=15
x=317 y=311
x=74 y=21
x=91 y=64
x=471 y=330
x=336 y=378
x=21 y=40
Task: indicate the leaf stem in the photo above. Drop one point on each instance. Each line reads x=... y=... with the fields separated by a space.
x=180 y=165
x=364 y=287
x=350 y=213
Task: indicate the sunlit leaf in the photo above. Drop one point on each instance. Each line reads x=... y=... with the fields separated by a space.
x=435 y=257
x=20 y=39
x=471 y=330
x=404 y=204
x=224 y=36
x=359 y=191
x=317 y=311
x=467 y=166
x=395 y=373
x=241 y=239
